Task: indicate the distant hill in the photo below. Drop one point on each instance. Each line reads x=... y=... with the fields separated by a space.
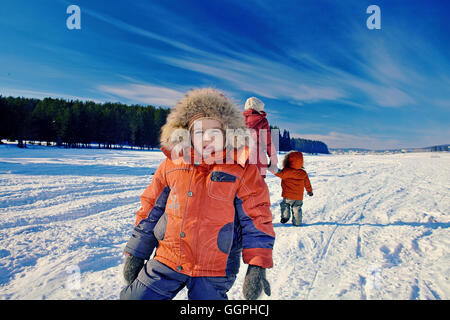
x=349 y=149
x=437 y=148
x=442 y=147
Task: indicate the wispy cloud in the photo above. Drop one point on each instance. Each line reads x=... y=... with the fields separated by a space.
x=383 y=78
x=143 y=93
x=258 y=75
x=248 y=72
x=141 y=32
x=384 y=96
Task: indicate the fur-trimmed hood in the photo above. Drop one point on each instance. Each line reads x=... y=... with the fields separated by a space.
x=205 y=102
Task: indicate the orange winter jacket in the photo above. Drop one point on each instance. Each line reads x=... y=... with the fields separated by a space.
x=293 y=178
x=204 y=216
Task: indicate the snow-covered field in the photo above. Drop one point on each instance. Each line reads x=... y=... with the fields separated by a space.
x=376 y=227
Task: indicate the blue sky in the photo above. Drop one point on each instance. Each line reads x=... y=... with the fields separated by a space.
x=320 y=71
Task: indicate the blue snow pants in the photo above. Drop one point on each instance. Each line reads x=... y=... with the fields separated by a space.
x=291 y=206
x=156 y=281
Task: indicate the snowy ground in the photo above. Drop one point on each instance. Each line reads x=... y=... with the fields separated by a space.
x=376 y=227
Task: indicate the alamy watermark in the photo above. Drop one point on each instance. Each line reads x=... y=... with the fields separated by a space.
x=209 y=145
x=374 y=278
x=73 y=281
x=374 y=20
x=74 y=20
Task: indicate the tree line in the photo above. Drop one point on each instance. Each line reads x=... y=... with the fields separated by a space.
x=286 y=143
x=82 y=124
x=75 y=124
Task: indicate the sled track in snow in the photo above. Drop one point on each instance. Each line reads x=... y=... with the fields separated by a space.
x=348 y=214
x=322 y=255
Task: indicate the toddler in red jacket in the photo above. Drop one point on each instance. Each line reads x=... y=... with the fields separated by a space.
x=294 y=179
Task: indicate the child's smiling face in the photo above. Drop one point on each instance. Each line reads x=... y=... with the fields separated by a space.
x=207 y=136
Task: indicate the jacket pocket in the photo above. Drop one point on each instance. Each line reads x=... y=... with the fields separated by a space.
x=221 y=185
x=225 y=238
x=160 y=228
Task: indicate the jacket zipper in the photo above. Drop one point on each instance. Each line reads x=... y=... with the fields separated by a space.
x=183 y=216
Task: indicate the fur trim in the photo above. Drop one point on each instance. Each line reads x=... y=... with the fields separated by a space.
x=254 y=103
x=205 y=102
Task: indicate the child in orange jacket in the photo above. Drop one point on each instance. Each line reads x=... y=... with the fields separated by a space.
x=205 y=208
x=293 y=180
